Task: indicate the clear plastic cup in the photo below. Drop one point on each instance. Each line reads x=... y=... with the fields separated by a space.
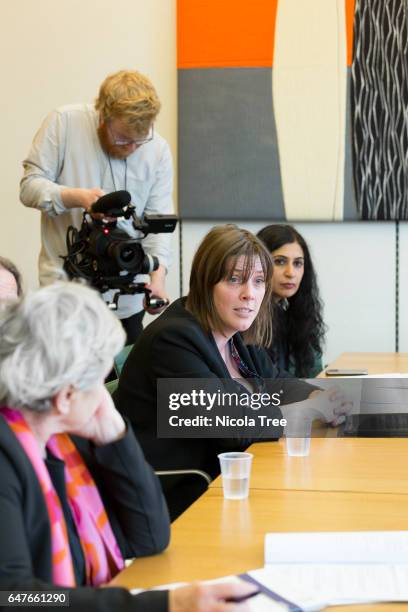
x=235 y=472
x=298 y=438
x=298 y=447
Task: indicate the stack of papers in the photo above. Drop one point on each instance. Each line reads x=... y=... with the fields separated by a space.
x=313 y=570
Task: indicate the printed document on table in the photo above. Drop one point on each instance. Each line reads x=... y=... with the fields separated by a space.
x=337 y=547
x=314 y=570
x=313 y=587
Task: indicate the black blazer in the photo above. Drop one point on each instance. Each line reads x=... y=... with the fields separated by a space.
x=133 y=501
x=175 y=346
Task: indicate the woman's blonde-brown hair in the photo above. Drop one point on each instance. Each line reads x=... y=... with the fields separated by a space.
x=214 y=261
x=130 y=96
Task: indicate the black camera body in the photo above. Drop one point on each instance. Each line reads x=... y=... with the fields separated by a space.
x=114 y=251
x=105 y=256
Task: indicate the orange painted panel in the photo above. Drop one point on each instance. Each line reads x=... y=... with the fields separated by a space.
x=225 y=33
x=349 y=30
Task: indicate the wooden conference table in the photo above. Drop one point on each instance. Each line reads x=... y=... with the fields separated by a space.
x=345 y=484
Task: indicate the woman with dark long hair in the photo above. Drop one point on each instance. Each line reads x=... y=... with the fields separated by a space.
x=298 y=327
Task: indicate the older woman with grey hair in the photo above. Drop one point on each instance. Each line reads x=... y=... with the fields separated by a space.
x=76 y=495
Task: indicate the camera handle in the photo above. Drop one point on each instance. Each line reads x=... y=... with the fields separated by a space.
x=152 y=303
x=128 y=290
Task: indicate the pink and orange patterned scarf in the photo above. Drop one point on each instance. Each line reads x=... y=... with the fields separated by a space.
x=103 y=558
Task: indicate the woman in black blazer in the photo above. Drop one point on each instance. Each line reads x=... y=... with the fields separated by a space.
x=217 y=332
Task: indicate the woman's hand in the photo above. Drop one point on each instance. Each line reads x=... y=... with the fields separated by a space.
x=200 y=597
x=106 y=425
x=330 y=405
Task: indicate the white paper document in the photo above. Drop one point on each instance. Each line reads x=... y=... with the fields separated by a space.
x=337 y=547
x=314 y=570
x=313 y=587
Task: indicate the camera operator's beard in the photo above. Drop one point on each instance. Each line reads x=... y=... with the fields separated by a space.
x=110 y=149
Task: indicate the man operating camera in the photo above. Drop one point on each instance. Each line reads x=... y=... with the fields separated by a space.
x=83 y=151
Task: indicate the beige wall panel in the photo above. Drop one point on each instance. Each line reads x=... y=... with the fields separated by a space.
x=55 y=53
x=309 y=86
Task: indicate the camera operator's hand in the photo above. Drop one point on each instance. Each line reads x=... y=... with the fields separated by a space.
x=157 y=289
x=80 y=198
x=84 y=198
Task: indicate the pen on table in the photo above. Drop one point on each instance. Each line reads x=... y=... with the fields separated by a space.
x=242 y=597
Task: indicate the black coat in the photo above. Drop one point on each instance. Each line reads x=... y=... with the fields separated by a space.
x=175 y=346
x=133 y=502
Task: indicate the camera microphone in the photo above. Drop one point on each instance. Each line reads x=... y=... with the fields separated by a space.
x=111 y=203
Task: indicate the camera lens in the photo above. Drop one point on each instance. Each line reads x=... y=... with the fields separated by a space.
x=127 y=255
x=150 y=263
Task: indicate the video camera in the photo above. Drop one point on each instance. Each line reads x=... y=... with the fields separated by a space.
x=105 y=256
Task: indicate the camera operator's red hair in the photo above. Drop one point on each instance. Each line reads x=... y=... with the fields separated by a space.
x=130 y=96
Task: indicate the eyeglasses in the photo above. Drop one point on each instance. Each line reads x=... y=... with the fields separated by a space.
x=124 y=142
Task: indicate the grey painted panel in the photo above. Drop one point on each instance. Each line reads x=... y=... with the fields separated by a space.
x=228 y=161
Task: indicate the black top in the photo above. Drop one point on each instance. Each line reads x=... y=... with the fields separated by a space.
x=280 y=352
x=175 y=346
x=133 y=501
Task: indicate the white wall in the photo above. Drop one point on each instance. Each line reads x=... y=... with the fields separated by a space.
x=403 y=287
x=54 y=53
